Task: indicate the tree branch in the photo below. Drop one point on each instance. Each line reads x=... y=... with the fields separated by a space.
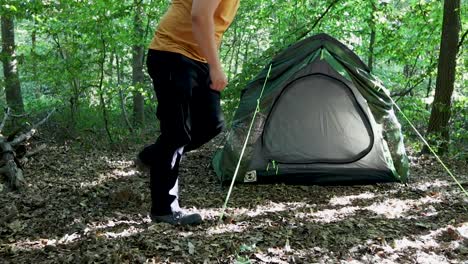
x=21 y=138
x=35 y=151
x=462 y=39
x=32 y=153
x=407 y=91
x=19 y=116
x=5 y=117
x=421 y=79
x=4 y=170
x=333 y=3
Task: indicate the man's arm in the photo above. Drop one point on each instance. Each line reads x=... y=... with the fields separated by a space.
x=204 y=33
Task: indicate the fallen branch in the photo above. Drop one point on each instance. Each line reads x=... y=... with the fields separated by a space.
x=31 y=153
x=13 y=153
x=13 y=174
x=35 y=151
x=26 y=136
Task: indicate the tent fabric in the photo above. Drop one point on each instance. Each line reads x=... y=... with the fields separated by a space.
x=323 y=117
x=335 y=113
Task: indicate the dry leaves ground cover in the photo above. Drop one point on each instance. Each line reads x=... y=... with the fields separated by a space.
x=91 y=207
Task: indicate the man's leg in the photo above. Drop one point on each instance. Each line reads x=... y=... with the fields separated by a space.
x=205 y=110
x=201 y=136
x=164 y=180
x=172 y=84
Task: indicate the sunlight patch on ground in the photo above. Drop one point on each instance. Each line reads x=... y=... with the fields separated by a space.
x=267 y=258
x=216 y=229
x=245 y=214
x=431 y=184
x=124 y=233
x=85 y=185
x=70 y=238
x=463 y=230
x=396 y=208
x=390 y=208
x=420 y=243
x=42 y=243
x=94 y=226
x=426 y=248
x=424 y=243
x=347 y=200
x=117 y=163
x=105 y=177
x=123 y=174
x=272 y=207
x=431 y=258
x=110 y=175
x=229 y=228
x=329 y=215
x=286 y=254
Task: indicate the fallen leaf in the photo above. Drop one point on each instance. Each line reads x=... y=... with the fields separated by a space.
x=191 y=248
x=16 y=226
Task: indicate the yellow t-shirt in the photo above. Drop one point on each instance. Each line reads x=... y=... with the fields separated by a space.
x=174 y=32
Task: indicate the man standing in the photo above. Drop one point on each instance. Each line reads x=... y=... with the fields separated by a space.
x=183 y=62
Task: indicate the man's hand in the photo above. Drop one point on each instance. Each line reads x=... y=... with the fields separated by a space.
x=218 y=79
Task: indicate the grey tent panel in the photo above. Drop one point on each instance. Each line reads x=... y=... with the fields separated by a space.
x=317 y=119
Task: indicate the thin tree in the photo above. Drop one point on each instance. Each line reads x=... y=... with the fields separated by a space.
x=13 y=93
x=441 y=107
x=370 y=60
x=137 y=64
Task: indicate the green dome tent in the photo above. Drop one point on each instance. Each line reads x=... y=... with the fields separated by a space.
x=322 y=118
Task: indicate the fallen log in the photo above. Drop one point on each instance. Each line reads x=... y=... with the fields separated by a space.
x=13 y=152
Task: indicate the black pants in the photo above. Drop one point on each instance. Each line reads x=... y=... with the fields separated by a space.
x=190 y=115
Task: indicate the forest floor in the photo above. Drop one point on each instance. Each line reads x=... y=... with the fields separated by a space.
x=92 y=206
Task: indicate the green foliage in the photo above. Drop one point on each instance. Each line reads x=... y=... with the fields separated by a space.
x=418 y=111
x=242 y=260
x=459 y=129
x=64 y=45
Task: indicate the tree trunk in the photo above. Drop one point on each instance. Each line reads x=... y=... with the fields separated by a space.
x=102 y=100
x=14 y=97
x=370 y=61
x=122 y=98
x=137 y=65
x=246 y=51
x=231 y=59
x=75 y=85
x=37 y=91
x=238 y=54
x=441 y=108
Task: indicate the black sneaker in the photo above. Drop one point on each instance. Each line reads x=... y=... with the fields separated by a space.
x=178 y=218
